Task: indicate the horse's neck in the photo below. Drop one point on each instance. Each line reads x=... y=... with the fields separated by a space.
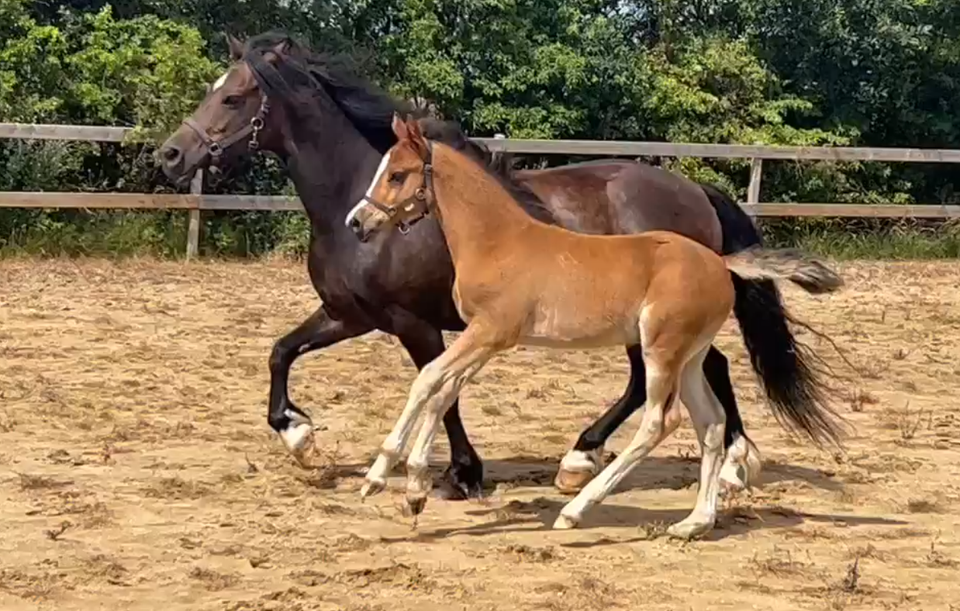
x=330 y=175
x=477 y=213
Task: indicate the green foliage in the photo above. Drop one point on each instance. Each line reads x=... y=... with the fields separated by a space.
x=800 y=72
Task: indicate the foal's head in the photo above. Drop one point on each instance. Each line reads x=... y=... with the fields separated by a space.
x=402 y=189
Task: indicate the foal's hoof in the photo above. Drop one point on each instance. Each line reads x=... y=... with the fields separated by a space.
x=415 y=505
x=688 y=530
x=564 y=523
x=371 y=488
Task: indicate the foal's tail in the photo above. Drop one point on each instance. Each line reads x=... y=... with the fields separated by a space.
x=784 y=264
x=793 y=387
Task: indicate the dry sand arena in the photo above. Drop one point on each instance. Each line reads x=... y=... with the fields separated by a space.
x=137 y=470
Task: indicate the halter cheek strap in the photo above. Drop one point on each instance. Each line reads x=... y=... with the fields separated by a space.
x=252 y=129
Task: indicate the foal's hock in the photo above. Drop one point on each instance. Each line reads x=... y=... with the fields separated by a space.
x=521 y=281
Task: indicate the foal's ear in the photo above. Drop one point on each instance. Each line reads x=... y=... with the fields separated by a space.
x=416 y=137
x=399 y=127
x=234 y=45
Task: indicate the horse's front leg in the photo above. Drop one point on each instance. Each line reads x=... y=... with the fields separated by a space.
x=463 y=478
x=318 y=331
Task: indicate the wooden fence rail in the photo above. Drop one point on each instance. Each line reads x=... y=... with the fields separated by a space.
x=196 y=201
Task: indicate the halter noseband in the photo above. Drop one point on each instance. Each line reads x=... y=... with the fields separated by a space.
x=417 y=203
x=216 y=147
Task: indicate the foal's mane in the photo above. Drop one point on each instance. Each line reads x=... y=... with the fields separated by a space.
x=300 y=77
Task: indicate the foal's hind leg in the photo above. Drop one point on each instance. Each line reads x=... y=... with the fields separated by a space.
x=708 y=419
x=662 y=414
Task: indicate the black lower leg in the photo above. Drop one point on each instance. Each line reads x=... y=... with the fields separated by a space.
x=316 y=332
x=633 y=398
x=463 y=478
x=716 y=368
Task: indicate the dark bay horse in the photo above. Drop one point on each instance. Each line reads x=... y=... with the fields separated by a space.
x=331 y=129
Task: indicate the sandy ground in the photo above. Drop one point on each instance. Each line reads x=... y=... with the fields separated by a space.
x=137 y=470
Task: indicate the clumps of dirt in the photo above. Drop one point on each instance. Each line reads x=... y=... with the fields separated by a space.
x=350 y=543
x=35 y=585
x=526 y=553
x=780 y=563
x=211 y=580
x=41 y=482
x=105 y=568
x=585 y=592
x=397 y=574
x=176 y=487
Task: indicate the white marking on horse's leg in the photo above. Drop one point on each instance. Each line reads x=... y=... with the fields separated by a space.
x=709 y=420
x=577 y=461
x=369 y=193
x=662 y=398
x=217 y=84
x=742 y=466
x=298 y=436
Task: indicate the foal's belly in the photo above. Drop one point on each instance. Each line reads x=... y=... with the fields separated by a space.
x=566 y=328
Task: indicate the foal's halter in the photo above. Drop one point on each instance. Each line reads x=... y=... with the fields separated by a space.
x=417 y=204
x=252 y=129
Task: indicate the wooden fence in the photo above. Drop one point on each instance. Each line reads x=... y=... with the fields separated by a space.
x=196 y=201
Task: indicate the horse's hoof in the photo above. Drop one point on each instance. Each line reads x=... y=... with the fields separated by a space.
x=571 y=482
x=298 y=437
x=577 y=468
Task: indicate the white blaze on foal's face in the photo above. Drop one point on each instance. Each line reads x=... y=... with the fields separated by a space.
x=369 y=194
x=217 y=84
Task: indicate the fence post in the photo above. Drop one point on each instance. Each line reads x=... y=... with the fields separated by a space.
x=193 y=226
x=753 y=191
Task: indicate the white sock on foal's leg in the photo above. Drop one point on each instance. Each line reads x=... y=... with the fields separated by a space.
x=709 y=421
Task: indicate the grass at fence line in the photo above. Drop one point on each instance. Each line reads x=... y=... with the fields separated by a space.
x=882 y=239
x=163 y=234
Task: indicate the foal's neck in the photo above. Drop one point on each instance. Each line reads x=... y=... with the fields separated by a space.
x=477 y=213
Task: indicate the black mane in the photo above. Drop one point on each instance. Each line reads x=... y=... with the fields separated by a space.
x=300 y=78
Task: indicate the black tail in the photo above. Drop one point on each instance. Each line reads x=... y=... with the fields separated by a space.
x=792 y=384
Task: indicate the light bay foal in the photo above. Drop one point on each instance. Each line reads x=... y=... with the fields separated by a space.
x=519 y=280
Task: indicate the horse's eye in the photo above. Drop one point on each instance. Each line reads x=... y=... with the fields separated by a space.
x=397 y=177
x=232 y=100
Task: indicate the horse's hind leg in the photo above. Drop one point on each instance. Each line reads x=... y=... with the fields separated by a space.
x=708 y=420
x=741 y=452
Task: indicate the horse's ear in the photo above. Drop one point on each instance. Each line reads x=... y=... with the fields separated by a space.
x=235 y=46
x=399 y=127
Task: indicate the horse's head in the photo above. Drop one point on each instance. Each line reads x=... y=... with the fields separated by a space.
x=235 y=118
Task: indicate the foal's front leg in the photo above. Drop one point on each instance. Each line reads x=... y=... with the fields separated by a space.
x=436 y=388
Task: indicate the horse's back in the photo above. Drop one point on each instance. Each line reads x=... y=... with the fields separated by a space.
x=623 y=197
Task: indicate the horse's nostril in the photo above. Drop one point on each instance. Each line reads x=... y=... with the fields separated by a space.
x=170 y=153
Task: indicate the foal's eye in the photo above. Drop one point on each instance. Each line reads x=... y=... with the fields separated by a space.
x=232 y=100
x=397 y=177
